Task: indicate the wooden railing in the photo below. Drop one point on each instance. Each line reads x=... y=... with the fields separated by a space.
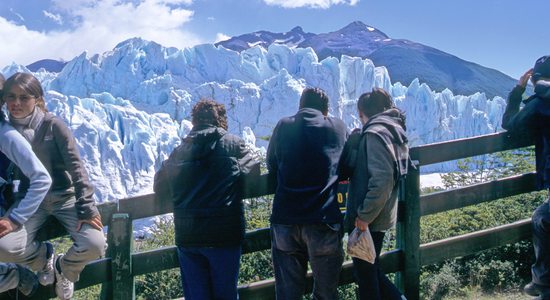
x=117 y=271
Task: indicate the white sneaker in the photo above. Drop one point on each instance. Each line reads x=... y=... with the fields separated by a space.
x=46 y=276
x=64 y=288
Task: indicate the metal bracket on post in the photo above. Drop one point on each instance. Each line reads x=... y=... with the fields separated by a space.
x=120 y=239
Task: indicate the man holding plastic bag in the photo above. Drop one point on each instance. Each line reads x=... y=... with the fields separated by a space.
x=380 y=160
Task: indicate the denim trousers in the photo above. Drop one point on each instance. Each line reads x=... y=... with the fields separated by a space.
x=209 y=272
x=373 y=283
x=540 y=270
x=293 y=246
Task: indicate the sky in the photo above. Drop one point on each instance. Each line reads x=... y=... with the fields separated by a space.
x=501 y=34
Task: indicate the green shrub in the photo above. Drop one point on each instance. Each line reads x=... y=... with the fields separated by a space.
x=495 y=270
x=439 y=282
x=159 y=285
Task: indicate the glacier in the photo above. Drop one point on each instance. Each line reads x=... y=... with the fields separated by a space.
x=129 y=107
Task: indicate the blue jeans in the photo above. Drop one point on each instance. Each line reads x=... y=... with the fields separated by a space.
x=541 y=242
x=209 y=272
x=293 y=246
x=373 y=283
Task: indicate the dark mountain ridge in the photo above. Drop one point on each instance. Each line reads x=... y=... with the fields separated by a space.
x=404 y=59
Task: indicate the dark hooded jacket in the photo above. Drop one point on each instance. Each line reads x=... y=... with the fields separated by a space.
x=205 y=177
x=303 y=153
x=381 y=159
x=534 y=118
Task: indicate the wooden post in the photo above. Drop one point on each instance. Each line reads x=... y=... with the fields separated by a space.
x=120 y=240
x=408 y=234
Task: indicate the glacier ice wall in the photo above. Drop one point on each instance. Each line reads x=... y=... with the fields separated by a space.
x=129 y=107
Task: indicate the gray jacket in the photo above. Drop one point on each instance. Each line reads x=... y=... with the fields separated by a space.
x=382 y=157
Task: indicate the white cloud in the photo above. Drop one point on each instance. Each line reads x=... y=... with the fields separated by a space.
x=54 y=17
x=221 y=37
x=324 y=4
x=97 y=26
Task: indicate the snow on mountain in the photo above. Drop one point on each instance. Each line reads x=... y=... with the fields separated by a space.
x=405 y=60
x=265 y=38
x=129 y=107
x=356 y=39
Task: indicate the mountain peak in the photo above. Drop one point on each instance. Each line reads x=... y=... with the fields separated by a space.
x=297 y=29
x=50 y=65
x=358 y=26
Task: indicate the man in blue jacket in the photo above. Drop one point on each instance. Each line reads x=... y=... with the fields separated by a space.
x=306 y=223
x=535 y=119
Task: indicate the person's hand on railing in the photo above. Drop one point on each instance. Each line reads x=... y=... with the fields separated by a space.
x=6 y=226
x=95 y=222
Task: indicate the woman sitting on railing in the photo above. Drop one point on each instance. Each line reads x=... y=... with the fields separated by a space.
x=69 y=200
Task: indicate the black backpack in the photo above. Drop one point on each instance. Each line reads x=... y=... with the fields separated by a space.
x=6 y=184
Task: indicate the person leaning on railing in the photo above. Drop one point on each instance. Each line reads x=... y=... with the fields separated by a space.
x=535 y=118
x=306 y=223
x=204 y=177
x=379 y=157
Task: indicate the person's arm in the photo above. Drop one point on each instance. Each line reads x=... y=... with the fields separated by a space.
x=381 y=170
x=271 y=156
x=348 y=158
x=250 y=168
x=18 y=150
x=161 y=184
x=514 y=119
x=86 y=209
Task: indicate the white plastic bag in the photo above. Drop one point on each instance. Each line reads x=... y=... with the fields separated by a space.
x=360 y=245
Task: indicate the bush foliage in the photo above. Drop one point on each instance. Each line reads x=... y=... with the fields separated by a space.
x=494 y=271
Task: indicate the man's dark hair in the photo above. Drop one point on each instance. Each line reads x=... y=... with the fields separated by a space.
x=314 y=98
x=209 y=112
x=374 y=102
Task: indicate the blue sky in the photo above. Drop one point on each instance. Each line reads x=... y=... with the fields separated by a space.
x=502 y=34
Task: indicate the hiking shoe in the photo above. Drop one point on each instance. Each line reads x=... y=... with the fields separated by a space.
x=28 y=282
x=63 y=287
x=46 y=276
x=531 y=289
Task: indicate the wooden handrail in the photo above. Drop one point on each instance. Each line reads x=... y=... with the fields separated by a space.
x=406 y=260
